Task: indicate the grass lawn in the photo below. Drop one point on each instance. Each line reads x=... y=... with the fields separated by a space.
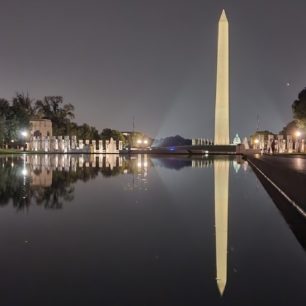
x=11 y=151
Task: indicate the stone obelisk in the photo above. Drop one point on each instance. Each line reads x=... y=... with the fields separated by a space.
x=222 y=90
x=221 y=173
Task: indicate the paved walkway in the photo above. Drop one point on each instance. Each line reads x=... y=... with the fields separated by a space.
x=288 y=173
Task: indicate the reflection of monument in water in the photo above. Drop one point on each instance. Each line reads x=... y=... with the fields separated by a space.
x=221 y=171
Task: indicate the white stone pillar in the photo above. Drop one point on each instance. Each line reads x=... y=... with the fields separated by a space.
x=280 y=143
x=66 y=144
x=94 y=146
x=73 y=142
x=303 y=146
x=289 y=144
x=100 y=146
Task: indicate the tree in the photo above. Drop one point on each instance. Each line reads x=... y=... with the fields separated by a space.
x=290 y=128
x=60 y=114
x=22 y=109
x=4 y=107
x=2 y=130
x=109 y=133
x=173 y=141
x=299 y=109
x=12 y=129
x=84 y=132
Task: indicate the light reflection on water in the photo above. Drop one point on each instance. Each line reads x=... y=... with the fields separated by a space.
x=54 y=175
x=144 y=230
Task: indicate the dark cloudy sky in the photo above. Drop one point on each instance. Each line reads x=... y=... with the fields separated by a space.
x=156 y=60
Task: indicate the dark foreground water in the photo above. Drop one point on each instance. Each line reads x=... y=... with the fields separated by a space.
x=93 y=230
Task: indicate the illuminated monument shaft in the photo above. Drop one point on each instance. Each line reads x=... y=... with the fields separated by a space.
x=222 y=90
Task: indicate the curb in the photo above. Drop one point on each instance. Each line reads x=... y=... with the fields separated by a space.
x=291 y=201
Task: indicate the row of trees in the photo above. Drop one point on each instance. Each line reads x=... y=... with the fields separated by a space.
x=15 y=116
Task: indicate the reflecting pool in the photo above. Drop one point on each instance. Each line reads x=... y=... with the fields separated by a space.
x=145 y=230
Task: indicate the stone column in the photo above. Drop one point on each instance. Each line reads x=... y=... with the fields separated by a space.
x=270 y=139
x=261 y=142
x=39 y=143
x=106 y=146
x=60 y=143
x=73 y=142
x=44 y=144
x=303 y=146
x=100 y=146
x=94 y=146
x=289 y=144
x=297 y=145
x=67 y=143
x=34 y=143
x=52 y=143
x=280 y=143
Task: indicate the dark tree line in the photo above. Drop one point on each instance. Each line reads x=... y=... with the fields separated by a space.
x=15 y=116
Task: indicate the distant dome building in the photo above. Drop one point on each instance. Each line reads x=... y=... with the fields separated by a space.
x=237 y=140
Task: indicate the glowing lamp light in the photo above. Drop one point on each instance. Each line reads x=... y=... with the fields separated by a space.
x=298 y=133
x=24 y=133
x=139 y=141
x=145 y=141
x=24 y=172
x=256 y=141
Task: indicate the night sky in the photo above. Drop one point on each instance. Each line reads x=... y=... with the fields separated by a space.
x=156 y=60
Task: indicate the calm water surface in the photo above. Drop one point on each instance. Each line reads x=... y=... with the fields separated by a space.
x=110 y=230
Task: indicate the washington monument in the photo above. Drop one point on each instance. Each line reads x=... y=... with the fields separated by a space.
x=222 y=90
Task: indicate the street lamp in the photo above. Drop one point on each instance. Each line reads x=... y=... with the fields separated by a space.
x=24 y=172
x=298 y=134
x=256 y=141
x=24 y=133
